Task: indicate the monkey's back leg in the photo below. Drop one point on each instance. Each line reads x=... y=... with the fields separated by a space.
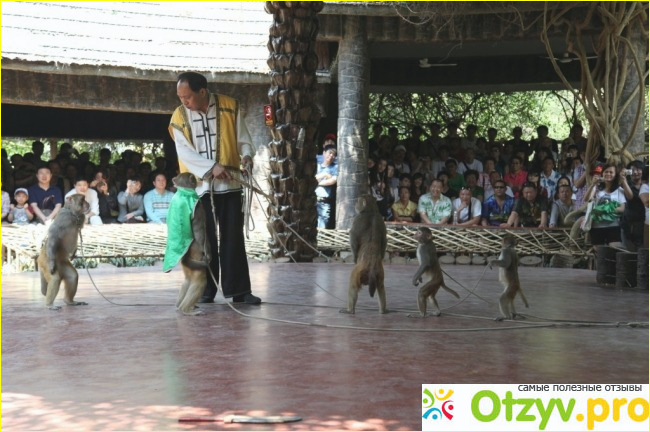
x=193 y=286
x=506 y=305
x=428 y=289
x=44 y=271
x=381 y=289
x=355 y=286
x=70 y=279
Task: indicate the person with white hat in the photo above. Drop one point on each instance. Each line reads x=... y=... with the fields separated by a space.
x=20 y=213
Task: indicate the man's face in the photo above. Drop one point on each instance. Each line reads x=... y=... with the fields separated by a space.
x=499 y=189
x=404 y=194
x=194 y=101
x=548 y=165
x=530 y=193
x=81 y=186
x=160 y=182
x=435 y=189
x=44 y=175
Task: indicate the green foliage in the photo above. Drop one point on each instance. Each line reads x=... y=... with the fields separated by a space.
x=503 y=111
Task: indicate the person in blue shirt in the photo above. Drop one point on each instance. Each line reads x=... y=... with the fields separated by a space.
x=156 y=201
x=326 y=176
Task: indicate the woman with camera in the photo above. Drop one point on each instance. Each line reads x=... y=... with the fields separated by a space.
x=609 y=203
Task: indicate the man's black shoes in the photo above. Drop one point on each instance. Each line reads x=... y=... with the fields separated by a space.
x=247 y=299
x=206 y=300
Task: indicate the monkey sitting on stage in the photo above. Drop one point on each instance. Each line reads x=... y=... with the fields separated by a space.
x=61 y=243
x=429 y=272
x=508 y=262
x=368 y=243
x=187 y=242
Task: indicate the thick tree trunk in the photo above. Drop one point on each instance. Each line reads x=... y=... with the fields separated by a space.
x=627 y=127
x=353 y=119
x=293 y=64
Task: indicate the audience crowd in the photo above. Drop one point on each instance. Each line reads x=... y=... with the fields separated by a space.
x=127 y=190
x=428 y=178
x=466 y=180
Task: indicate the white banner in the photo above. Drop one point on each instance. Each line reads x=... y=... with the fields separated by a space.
x=535 y=407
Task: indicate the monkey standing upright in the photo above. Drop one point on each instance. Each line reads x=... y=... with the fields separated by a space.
x=429 y=272
x=368 y=244
x=61 y=243
x=508 y=262
x=187 y=241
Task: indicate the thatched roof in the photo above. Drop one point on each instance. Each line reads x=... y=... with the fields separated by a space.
x=211 y=37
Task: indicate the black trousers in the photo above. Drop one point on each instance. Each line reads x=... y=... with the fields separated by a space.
x=229 y=250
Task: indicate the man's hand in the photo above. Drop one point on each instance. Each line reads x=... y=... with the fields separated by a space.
x=219 y=172
x=247 y=163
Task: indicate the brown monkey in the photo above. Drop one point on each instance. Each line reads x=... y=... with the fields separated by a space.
x=508 y=262
x=195 y=259
x=429 y=272
x=61 y=243
x=368 y=244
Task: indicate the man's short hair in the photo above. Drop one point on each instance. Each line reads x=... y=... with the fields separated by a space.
x=80 y=178
x=195 y=80
x=329 y=147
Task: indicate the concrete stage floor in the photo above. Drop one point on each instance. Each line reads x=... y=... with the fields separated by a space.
x=142 y=365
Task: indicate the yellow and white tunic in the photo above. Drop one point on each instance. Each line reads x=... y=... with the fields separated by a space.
x=203 y=139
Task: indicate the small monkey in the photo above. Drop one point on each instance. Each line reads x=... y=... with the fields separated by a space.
x=61 y=243
x=429 y=272
x=508 y=262
x=197 y=256
x=368 y=244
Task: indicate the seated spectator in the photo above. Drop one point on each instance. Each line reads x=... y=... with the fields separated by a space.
x=471 y=178
x=500 y=163
x=21 y=213
x=108 y=207
x=466 y=209
x=6 y=204
x=392 y=180
x=561 y=207
x=530 y=210
x=45 y=200
x=456 y=180
x=81 y=187
x=433 y=207
x=418 y=187
x=446 y=190
x=548 y=178
x=24 y=172
x=494 y=176
x=516 y=177
x=483 y=178
x=497 y=208
x=131 y=202
x=470 y=162
x=438 y=164
x=399 y=159
x=406 y=180
x=156 y=201
x=563 y=181
x=405 y=210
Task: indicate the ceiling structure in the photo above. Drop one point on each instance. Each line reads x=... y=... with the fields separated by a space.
x=68 y=50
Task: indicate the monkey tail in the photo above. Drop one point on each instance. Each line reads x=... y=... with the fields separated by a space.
x=450 y=291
